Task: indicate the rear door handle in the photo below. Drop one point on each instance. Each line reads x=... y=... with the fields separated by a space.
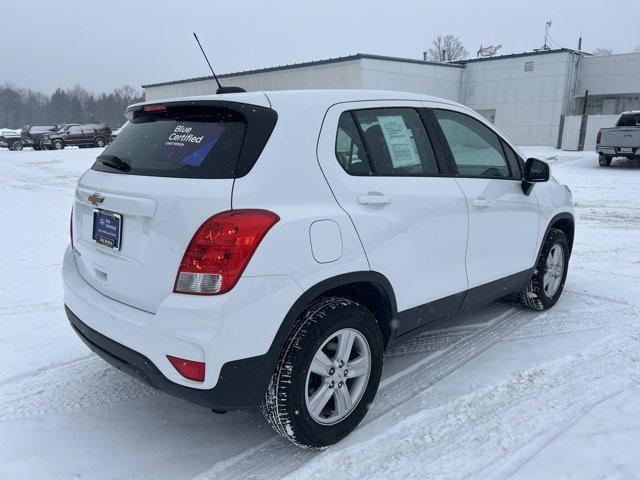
x=481 y=202
x=374 y=199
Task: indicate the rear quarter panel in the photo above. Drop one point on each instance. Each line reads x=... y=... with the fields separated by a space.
x=287 y=180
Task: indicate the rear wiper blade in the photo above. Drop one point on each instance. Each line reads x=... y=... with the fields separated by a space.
x=114 y=161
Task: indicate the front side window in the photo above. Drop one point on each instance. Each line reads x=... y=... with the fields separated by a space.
x=476 y=149
x=75 y=131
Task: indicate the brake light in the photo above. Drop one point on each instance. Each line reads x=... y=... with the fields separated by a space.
x=188 y=368
x=598 y=137
x=221 y=249
x=154 y=108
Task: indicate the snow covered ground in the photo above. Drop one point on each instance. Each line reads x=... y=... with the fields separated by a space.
x=501 y=393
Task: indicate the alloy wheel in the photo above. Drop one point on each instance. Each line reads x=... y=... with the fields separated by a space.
x=553 y=271
x=338 y=376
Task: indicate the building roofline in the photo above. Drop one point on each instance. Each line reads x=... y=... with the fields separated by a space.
x=518 y=55
x=348 y=58
x=360 y=56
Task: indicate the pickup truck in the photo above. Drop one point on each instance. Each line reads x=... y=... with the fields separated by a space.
x=10 y=139
x=31 y=134
x=623 y=140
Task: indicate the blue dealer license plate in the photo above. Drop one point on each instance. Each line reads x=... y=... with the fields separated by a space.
x=107 y=229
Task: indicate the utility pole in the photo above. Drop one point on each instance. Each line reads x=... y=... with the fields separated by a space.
x=583 y=123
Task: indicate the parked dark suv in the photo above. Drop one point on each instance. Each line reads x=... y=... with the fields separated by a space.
x=32 y=134
x=81 y=135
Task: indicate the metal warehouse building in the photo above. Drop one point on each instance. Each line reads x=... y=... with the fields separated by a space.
x=535 y=98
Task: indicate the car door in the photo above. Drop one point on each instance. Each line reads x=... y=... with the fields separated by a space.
x=410 y=214
x=503 y=221
x=88 y=135
x=74 y=135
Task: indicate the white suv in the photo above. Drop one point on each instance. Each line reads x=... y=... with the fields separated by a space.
x=266 y=248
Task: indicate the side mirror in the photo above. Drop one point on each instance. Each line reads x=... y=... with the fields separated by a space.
x=535 y=171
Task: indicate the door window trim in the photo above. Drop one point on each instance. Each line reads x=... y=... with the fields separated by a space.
x=430 y=112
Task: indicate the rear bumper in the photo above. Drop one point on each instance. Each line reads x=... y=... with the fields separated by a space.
x=232 y=334
x=241 y=384
x=616 y=151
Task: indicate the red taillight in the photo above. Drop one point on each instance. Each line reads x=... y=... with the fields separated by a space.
x=188 y=368
x=154 y=108
x=221 y=249
x=598 y=137
x=71 y=227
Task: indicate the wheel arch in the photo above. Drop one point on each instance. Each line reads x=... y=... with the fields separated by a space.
x=370 y=289
x=566 y=223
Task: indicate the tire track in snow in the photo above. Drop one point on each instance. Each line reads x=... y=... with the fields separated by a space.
x=490 y=433
x=278 y=457
x=75 y=386
x=551 y=323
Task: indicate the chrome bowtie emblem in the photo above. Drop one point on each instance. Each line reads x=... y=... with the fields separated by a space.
x=95 y=199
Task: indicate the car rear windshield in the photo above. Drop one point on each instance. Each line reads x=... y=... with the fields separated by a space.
x=190 y=141
x=629 y=120
x=41 y=129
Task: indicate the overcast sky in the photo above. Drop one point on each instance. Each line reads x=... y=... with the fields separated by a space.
x=104 y=44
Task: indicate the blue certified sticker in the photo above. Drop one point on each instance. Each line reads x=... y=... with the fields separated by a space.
x=189 y=143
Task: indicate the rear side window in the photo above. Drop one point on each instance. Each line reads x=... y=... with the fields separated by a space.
x=476 y=149
x=349 y=148
x=393 y=140
x=629 y=120
x=191 y=141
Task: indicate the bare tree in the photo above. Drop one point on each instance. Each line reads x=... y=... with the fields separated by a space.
x=602 y=51
x=446 y=48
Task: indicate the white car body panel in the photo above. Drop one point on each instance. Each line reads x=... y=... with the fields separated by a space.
x=425 y=214
x=160 y=216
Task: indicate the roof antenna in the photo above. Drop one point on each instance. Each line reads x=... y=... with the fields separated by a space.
x=220 y=89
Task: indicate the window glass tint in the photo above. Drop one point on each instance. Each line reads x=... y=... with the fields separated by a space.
x=74 y=130
x=349 y=148
x=475 y=148
x=512 y=158
x=87 y=130
x=629 y=120
x=41 y=129
x=396 y=142
x=180 y=144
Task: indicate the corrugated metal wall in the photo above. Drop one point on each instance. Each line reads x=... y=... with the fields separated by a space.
x=335 y=75
x=529 y=93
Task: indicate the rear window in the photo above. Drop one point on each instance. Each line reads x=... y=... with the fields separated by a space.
x=191 y=141
x=41 y=129
x=629 y=120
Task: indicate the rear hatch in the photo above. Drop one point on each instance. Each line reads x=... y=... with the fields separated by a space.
x=33 y=133
x=171 y=169
x=621 y=137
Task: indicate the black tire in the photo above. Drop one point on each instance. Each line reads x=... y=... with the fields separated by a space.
x=58 y=145
x=100 y=142
x=534 y=296
x=284 y=406
x=36 y=147
x=16 y=146
x=605 y=160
